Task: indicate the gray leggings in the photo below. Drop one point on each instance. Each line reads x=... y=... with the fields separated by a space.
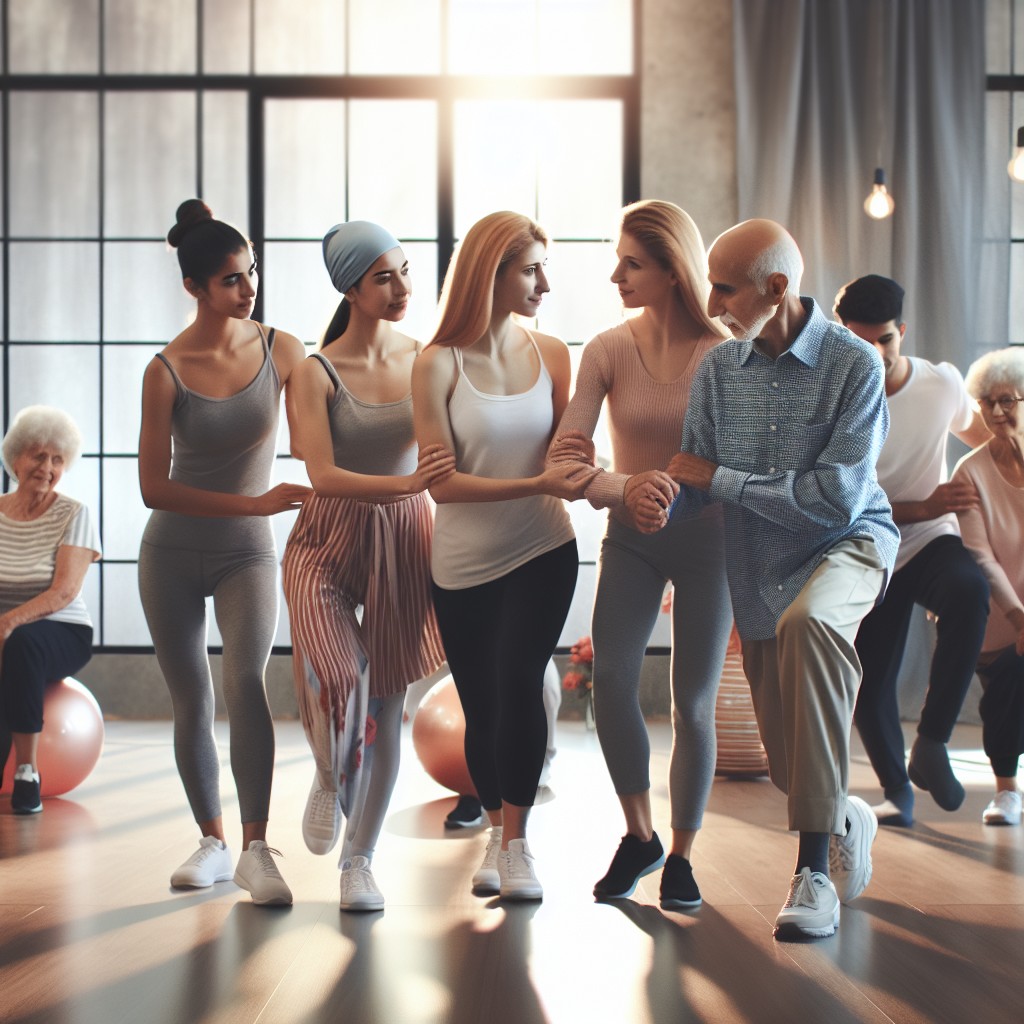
x=634 y=568
x=173 y=584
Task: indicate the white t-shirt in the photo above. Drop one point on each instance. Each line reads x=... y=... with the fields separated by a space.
x=932 y=402
x=28 y=555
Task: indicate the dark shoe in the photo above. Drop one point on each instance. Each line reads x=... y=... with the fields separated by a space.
x=25 y=796
x=466 y=813
x=929 y=769
x=678 y=889
x=633 y=859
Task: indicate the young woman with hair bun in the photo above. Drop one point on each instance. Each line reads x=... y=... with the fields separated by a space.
x=363 y=539
x=210 y=408
x=504 y=561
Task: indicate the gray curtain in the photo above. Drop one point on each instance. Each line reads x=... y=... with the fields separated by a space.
x=827 y=90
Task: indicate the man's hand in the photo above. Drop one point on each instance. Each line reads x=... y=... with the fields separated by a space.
x=956 y=496
x=691 y=471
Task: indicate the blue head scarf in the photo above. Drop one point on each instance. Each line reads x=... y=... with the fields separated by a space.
x=351 y=249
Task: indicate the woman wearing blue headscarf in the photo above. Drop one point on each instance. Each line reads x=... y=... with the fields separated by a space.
x=362 y=540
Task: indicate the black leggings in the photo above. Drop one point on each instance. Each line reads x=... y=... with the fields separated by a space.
x=499 y=637
x=35 y=654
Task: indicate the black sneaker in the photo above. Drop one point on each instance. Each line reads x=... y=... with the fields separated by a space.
x=466 y=813
x=25 y=798
x=678 y=889
x=633 y=859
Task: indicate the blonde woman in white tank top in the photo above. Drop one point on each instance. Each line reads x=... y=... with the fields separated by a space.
x=504 y=562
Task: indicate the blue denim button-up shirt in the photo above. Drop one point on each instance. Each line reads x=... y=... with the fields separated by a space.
x=795 y=440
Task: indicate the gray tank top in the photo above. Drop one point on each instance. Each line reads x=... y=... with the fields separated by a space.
x=225 y=445
x=375 y=440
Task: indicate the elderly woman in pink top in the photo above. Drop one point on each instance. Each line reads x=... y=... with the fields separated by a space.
x=994 y=532
x=643 y=368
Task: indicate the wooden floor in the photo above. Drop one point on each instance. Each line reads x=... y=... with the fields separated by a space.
x=91 y=932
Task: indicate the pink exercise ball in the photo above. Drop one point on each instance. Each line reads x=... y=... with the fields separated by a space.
x=439 y=735
x=71 y=741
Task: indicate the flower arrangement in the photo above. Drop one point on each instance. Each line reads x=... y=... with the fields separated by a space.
x=580 y=676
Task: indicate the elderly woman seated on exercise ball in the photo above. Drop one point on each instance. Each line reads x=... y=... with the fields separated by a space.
x=47 y=543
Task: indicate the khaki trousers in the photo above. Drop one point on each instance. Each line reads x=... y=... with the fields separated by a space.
x=804 y=685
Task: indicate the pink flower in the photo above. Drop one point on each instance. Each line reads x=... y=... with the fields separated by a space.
x=371 y=730
x=572 y=680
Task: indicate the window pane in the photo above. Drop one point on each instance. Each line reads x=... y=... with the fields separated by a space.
x=51 y=132
x=53 y=36
x=393 y=165
x=1016 y=295
x=150 y=161
x=413 y=37
x=305 y=161
x=585 y=37
x=589 y=524
x=421 y=318
x=298 y=296
x=227 y=33
x=136 y=270
x=579 y=161
x=82 y=482
x=489 y=173
x=150 y=38
x=225 y=156
x=124 y=513
x=66 y=376
x=492 y=37
x=1002 y=180
x=124 y=622
x=582 y=300
x=998 y=37
x=123 y=367
x=54 y=291
x=290 y=44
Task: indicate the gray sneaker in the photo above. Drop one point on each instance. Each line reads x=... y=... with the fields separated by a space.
x=515 y=869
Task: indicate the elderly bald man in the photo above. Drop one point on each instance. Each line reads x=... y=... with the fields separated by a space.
x=784 y=427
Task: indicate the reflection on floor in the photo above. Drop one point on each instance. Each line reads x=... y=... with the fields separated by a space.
x=92 y=933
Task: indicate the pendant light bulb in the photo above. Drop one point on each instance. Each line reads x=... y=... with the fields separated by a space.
x=1015 y=167
x=879 y=204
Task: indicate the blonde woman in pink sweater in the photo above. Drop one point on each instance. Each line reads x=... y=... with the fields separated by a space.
x=643 y=368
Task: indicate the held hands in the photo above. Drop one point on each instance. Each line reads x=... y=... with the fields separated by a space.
x=436 y=463
x=566 y=480
x=691 y=471
x=281 y=498
x=572 y=446
x=647 y=497
x=956 y=496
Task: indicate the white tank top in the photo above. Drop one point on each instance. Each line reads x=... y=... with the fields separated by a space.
x=502 y=437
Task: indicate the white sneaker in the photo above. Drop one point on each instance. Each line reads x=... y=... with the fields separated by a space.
x=210 y=863
x=359 y=888
x=321 y=822
x=811 y=909
x=486 y=881
x=258 y=873
x=849 y=856
x=1005 y=808
x=515 y=870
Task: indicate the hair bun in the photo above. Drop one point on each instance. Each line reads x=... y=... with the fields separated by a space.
x=190 y=214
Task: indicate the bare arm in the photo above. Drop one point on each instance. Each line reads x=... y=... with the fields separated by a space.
x=70 y=567
x=308 y=397
x=160 y=492
x=432 y=376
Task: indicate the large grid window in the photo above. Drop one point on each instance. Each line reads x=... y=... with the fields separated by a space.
x=285 y=119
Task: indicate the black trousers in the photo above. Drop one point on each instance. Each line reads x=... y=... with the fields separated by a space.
x=498 y=638
x=945 y=579
x=1002 y=711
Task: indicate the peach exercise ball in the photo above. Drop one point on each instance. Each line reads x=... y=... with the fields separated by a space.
x=71 y=740
x=438 y=737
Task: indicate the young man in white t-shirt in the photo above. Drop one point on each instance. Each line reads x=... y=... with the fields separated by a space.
x=927 y=402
